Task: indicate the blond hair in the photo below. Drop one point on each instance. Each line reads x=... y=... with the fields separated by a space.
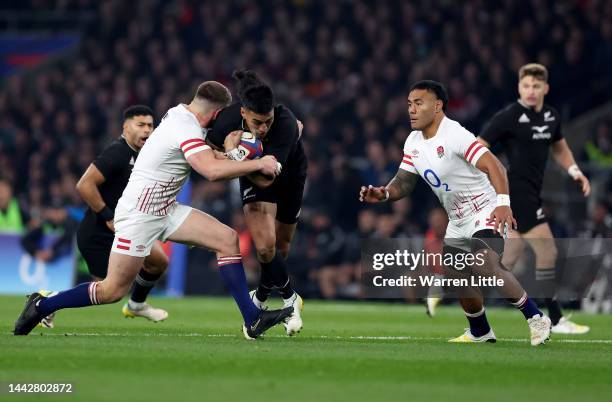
x=536 y=70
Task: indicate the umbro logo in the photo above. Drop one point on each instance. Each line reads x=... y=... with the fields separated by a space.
x=548 y=116
x=524 y=119
x=132 y=161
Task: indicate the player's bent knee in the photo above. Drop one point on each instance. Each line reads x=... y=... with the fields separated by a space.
x=509 y=260
x=164 y=262
x=230 y=244
x=266 y=254
x=487 y=239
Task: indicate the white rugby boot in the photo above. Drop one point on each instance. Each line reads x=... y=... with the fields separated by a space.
x=144 y=310
x=539 y=326
x=565 y=326
x=431 y=304
x=467 y=337
x=293 y=324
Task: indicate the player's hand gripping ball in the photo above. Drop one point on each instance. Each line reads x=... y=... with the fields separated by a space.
x=250 y=147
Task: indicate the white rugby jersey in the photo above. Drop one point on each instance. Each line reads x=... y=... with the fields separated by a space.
x=447 y=162
x=162 y=168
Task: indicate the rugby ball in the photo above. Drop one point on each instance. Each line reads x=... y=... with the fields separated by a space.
x=250 y=146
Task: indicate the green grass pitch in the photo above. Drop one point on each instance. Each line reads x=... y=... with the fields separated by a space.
x=351 y=351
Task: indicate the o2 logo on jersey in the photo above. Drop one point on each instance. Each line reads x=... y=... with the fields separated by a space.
x=436 y=182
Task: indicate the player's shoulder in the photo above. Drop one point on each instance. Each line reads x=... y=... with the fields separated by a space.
x=511 y=109
x=452 y=127
x=180 y=116
x=284 y=118
x=227 y=120
x=283 y=112
x=230 y=114
x=285 y=123
x=413 y=138
x=118 y=148
x=551 y=110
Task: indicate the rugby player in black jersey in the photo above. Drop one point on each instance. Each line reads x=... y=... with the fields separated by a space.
x=527 y=130
x=271 y=205
x=101 y=187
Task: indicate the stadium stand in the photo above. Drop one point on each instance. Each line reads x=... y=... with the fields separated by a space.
x=340 y=65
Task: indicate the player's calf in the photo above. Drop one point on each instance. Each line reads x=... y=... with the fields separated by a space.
x=107 y=292
x=283 y=248
x=154 y=267
x=38 y=306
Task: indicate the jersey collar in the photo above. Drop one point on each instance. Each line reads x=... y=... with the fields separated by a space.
x=440 y=130
x=531 y=109
x=128 y=144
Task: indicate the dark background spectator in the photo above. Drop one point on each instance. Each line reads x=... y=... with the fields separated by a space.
x=343 y=66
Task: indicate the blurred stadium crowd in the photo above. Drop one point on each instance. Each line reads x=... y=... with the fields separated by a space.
x=342 y=66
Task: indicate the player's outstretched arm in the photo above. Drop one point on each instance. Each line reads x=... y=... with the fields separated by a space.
x=502 y=215
x=87 y=187
x=565 y=158
x=400 y=186
x=206 y=164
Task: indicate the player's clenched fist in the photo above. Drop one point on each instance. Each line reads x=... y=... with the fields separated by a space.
x=232 y=140
x=373 y=194
x=270 y=166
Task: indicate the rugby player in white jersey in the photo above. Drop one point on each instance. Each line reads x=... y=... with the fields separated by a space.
x=472 y=186
x=148 y=211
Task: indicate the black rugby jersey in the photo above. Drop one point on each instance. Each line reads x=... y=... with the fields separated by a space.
x=115 y=163
x=282 y=140
x=525 y=136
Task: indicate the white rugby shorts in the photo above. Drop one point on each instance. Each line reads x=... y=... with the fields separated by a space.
x=460 y=231
x=136 y=232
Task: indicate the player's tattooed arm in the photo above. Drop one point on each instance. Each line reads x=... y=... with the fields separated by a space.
x=400 y=186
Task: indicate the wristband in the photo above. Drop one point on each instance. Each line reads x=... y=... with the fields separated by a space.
x=574 y=171
x=386 y=196
x=503 y=200
x=106 y=214
x=234 y=155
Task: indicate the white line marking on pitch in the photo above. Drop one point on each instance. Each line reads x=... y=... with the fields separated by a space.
x=337 y=337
